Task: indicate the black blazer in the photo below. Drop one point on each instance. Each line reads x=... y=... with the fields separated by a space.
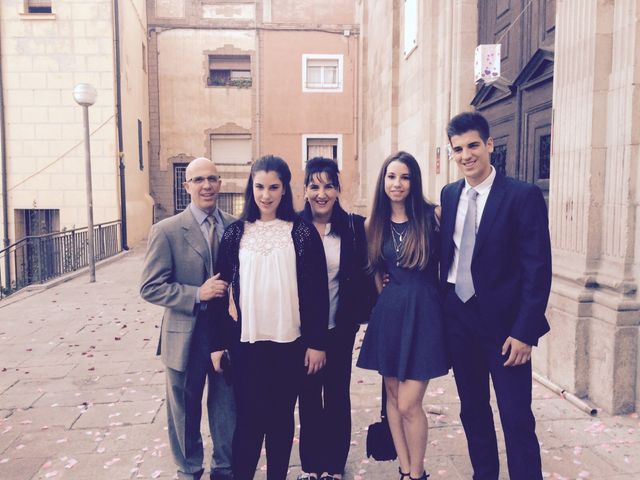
x=313 y=289
x=356 y=291
x=511 y=263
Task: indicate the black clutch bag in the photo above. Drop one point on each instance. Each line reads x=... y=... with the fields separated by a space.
x=379 y=440
x=227 y=367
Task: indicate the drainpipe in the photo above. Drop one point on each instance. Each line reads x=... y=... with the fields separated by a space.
x=5 y=191
x=121 y=166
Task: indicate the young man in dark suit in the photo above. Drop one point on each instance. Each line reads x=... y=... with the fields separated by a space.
x=178 y=274
x=496 y=269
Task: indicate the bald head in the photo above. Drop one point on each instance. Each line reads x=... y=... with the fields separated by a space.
x=196 y=163
x=203 y=183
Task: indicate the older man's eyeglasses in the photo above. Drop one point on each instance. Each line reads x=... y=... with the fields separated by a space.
x=200 y=180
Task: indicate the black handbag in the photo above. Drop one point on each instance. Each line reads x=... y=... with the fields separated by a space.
x=227 y=368
x=379 y=440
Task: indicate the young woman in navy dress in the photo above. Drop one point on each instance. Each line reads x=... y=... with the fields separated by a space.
x=405 y=341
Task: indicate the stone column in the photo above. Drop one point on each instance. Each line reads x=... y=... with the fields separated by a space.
x=592 y=348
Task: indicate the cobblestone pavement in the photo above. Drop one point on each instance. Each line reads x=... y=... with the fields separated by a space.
x=82 y=397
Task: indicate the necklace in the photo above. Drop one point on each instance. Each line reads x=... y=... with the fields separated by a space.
x=397 y=243
x=399 y=234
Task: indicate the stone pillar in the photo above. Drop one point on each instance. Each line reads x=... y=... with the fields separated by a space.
x=592 y=347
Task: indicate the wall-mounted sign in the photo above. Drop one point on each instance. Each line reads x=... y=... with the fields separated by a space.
x=487 y=63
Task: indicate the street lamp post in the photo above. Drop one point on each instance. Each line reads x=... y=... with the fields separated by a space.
x=85 y=95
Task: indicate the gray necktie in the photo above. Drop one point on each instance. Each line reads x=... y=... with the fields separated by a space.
x=464 y=281
x=213 y=238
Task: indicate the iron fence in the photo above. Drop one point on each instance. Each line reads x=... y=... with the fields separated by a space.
x=38 y=259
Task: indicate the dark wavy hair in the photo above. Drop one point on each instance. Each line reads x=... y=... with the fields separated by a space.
x=285 y=210
x=415 y=251
x=318 y=166
x=467 y=121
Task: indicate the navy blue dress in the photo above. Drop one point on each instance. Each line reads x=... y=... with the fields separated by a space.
x=405 y=337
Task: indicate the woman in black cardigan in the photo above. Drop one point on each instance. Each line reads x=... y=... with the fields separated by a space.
x=274 y=262
x=324 y=403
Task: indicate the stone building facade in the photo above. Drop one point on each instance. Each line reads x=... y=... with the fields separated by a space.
x=417 y=71
x=235 y=80
x=46 y=48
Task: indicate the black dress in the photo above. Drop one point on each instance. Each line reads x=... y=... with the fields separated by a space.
x=405 y=336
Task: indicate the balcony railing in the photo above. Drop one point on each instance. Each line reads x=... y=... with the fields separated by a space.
x=38 y=259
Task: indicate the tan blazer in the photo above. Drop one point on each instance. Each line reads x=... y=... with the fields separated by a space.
x=175 y=265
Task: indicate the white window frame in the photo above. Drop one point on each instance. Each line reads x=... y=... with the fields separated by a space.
x=410 y=26
x=335 y=136
x=322 y=56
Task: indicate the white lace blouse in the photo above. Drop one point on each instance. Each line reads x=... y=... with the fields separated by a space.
x=268 y=283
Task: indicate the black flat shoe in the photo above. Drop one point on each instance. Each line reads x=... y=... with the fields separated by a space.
x=403 y=475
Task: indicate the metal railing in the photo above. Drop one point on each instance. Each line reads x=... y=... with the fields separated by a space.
x=38 y=259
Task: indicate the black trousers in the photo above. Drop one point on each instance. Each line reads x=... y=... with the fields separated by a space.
x=476 y=356
x=267 y=378
x=325 y=408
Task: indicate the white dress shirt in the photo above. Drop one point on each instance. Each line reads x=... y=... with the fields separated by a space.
x=332 y=253
x=483 y=190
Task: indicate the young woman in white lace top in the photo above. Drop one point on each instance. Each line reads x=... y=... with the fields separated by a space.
x=274 y=261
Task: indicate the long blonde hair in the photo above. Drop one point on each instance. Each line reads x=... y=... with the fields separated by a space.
x=415 y=249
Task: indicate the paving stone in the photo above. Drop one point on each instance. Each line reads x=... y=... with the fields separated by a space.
x=80 y=397
x=69 y=358
x=136 y=438
x=45 y=371
x=7 y=380
x=19 y=400
x=42 y=417
x=154 y=393
x=6 y=439
x=623 y=456
x=572 y=463
x=20 y=468
x=92 y=466
x=123 y=413
x=50 y=443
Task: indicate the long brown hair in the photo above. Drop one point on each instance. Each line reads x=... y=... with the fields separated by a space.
x=415 y=249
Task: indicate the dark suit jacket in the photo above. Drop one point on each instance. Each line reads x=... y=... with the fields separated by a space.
x=511 y=264
x=175 y=266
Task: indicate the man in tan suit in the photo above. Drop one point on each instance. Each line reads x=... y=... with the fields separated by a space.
x=178 y=274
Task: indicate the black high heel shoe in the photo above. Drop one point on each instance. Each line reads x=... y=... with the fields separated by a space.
x=403 y=475
x=424 y=476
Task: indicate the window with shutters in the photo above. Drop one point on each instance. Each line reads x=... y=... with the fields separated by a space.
x=322 y=145
x=37 y=6
x=231 y=149
x=229 y=71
